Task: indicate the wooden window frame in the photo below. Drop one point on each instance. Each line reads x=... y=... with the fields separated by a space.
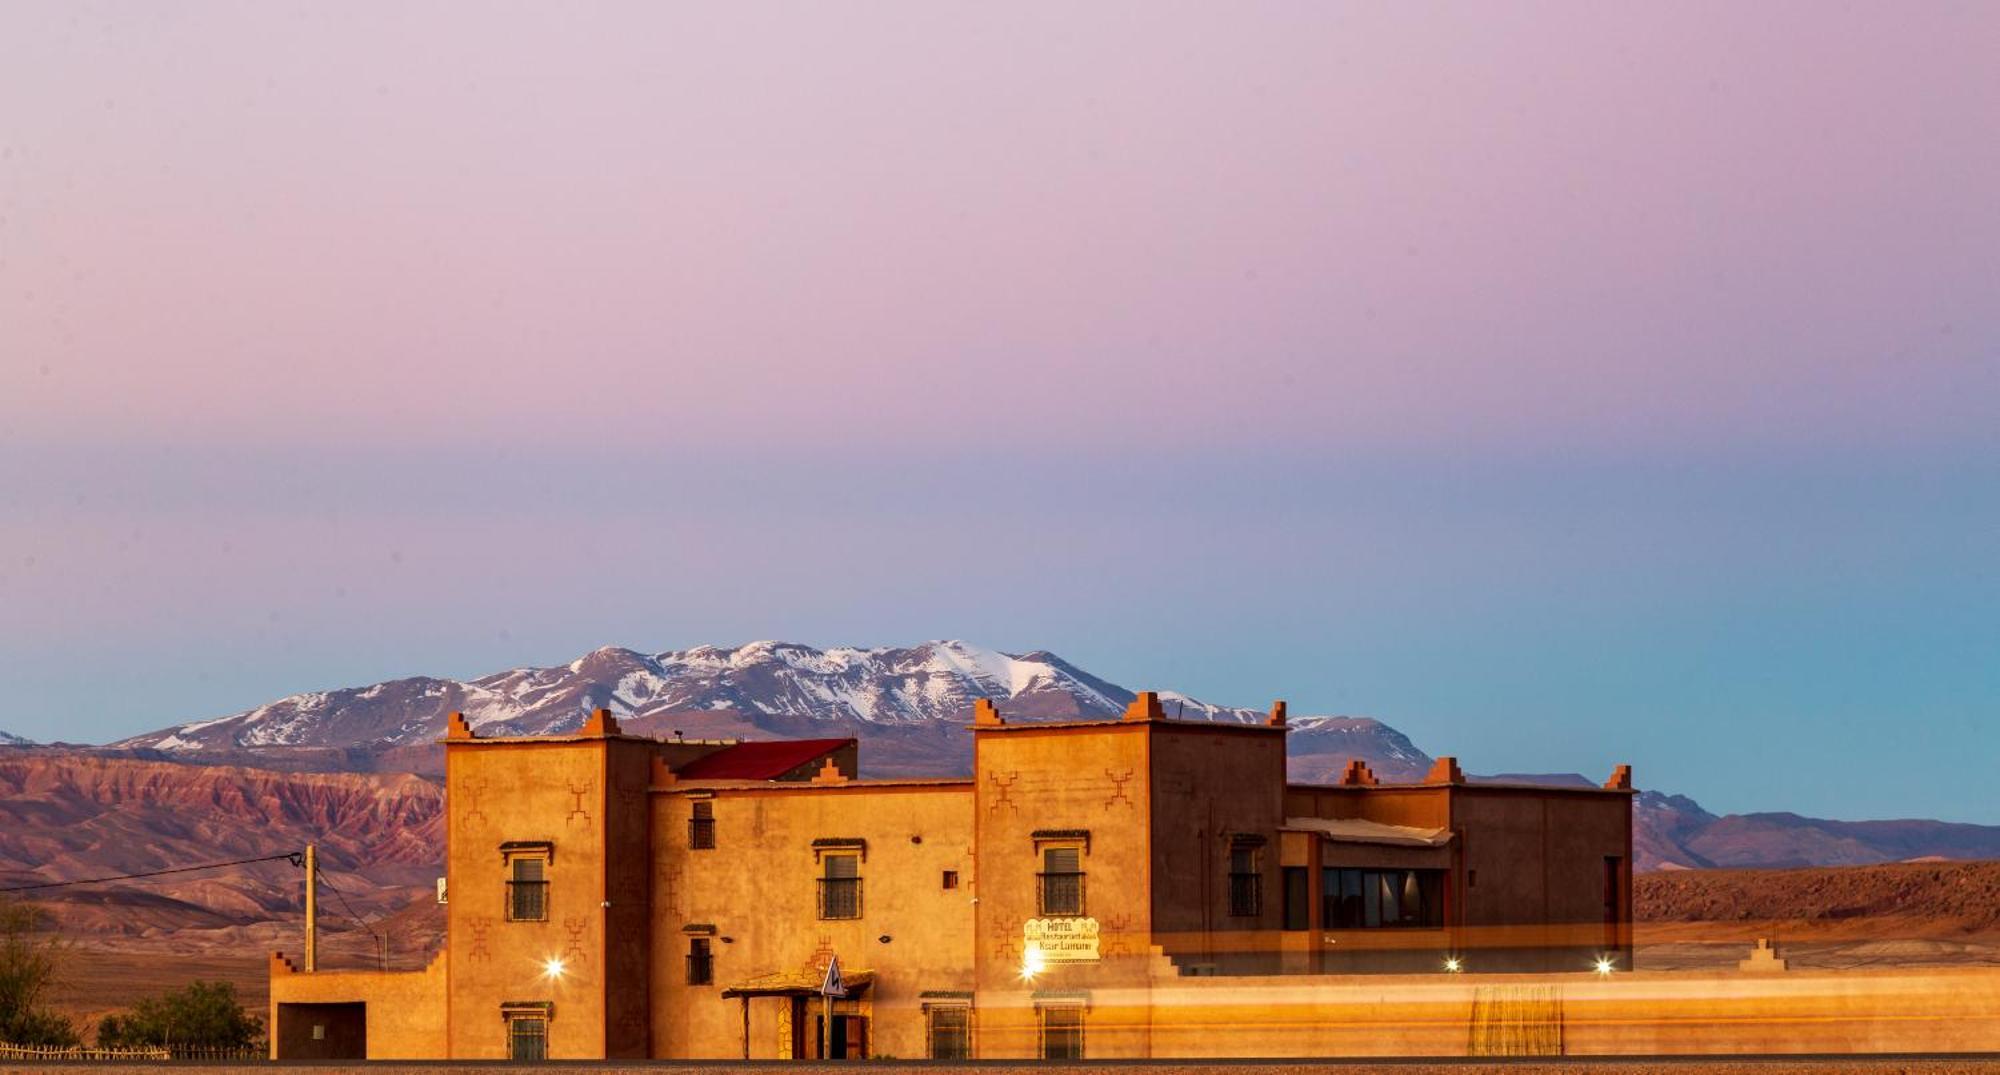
x=545 y=858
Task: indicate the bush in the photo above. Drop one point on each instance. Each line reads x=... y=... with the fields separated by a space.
x=205 y=1015
x=29 y=965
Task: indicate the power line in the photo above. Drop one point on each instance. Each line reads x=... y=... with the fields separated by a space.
x=293 y=857
x=380 y=944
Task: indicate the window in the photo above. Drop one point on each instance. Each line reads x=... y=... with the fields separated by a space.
x=1059 y=887
x=701 y=827
x=1371 y=899
x=528 y=891
x=951 y=879
x=701 y=961
x=1298 y=900
x=950 y=1031
x=840 y=886
x=1246 y=883
x=1062 y=1032
x=528 y=1037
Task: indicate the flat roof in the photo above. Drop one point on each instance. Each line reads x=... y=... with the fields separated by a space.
x=1354 y=830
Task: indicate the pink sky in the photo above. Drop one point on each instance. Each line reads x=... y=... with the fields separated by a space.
x=885 y=224
x=1565 y=384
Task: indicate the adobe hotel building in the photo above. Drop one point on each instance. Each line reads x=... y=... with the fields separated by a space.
x=1124 y=888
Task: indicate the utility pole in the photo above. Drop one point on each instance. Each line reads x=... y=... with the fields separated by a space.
x=312 y=908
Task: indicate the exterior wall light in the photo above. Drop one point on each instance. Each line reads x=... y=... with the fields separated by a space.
x=553 y=967
x=1605 y=966
x=1452 y=965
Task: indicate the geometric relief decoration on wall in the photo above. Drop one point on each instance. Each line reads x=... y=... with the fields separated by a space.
x=1118 y=782
x=477 y=927
x=1115 y=927
x=473 y=790
x=576 y=809
x=1003 y=792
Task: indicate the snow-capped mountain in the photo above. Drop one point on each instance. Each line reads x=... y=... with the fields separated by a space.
x=769 y=687
x=8 y=739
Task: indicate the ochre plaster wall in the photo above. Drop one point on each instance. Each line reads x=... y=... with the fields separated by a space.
x=1212 y=784
x=567 y=791
x=405 y=1010
x=1051 y=778
x=758 y=890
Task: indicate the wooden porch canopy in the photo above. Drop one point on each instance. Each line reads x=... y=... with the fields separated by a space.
x=797 y=983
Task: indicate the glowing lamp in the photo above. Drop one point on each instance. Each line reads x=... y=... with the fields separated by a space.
x=1031 y=961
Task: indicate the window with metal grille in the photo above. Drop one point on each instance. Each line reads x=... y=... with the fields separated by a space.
x=1062 y=1032
x=950 y=1028
x=527 y=1037
x=1059 y=887
x=701 y=961
x=840 y=887
x=701 y=827
x=1246 y=883
x=528 y=891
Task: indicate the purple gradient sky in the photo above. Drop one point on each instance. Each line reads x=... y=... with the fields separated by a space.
x=1565 y=384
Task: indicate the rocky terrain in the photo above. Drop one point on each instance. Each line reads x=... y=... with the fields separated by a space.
x=1961 y=896
x=1843 y=917
x=66 y=816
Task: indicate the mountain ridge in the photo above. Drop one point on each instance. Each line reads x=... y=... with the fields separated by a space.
x=910 y=707
x=767 y=685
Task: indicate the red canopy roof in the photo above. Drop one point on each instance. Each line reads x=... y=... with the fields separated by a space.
x=762 y=760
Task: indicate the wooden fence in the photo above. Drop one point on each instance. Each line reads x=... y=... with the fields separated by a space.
x=142 y=1052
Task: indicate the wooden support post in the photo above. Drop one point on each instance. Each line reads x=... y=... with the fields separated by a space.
x=312 y=908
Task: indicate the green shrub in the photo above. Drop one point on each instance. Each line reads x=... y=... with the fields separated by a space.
x=204 y=1015
x=29 y=965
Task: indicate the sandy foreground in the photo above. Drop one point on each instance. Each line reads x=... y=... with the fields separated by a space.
x=107 y=974
x=1807 y=1066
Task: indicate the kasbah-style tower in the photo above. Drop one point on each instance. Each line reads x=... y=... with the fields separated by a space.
x=571 y=811
x=1150 y=806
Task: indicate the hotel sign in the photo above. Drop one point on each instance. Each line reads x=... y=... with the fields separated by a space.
x=1062 y=940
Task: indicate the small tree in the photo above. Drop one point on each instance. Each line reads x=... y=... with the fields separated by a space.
x=204 y=1015
x=29 y=965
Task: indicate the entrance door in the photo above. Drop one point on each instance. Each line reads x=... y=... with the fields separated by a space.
x=322 y=1031
x=849 y=1040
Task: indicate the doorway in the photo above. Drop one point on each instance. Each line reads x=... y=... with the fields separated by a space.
x=322 y=1031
